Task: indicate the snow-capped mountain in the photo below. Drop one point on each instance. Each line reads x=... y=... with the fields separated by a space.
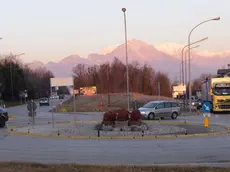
x=165 y=57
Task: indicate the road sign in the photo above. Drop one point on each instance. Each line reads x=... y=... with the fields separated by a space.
x=206 y=107
x=31 y=106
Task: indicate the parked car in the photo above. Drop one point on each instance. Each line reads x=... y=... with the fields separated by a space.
x=3 y=114
x=44 y=101
x=160 y=109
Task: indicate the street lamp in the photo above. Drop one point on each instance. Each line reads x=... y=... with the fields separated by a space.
x=189 y=65
x=11 y=77
x=182 y=57
x=185 y=64
x=126 y=53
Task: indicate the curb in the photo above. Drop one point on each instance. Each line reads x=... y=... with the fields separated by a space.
x=11 y=131
x=11 y=118
x=120 y=137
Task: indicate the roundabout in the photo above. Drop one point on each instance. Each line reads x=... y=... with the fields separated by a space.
x=94 y=130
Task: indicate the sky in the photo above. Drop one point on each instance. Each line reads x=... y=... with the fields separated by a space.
x=49 y=30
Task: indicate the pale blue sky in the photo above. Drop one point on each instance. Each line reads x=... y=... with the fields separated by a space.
x=52 y=29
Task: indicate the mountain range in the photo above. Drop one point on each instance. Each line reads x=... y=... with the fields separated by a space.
x=164 y=57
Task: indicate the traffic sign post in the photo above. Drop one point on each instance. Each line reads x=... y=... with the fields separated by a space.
x=206 y=107
x=31 y=106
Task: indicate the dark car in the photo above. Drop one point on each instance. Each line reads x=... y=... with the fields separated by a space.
x=198 y=103
x=61 y=96
x=3 y=117
x=44 y=101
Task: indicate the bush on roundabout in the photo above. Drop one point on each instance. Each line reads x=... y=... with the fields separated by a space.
x=122 y=115
x=133 y=118
x=109 y=118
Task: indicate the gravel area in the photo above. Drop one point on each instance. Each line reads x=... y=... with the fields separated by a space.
x=88 y=129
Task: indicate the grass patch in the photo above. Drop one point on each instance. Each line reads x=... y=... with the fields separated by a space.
x=12 y=103
x=117 y=101
x=35 y=167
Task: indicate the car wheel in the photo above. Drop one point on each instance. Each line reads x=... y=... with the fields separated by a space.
x=174 y=115
x=151 y=116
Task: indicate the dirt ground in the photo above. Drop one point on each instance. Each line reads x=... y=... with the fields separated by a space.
x=110 y=102
x=27 y=167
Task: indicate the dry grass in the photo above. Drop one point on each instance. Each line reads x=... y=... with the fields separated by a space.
x=117 y=101
x=32 y=167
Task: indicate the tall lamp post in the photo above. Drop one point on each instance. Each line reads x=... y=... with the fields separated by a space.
x=189 y=65
x=126 y=54
x=185 y=65
x=182 y=57
x=11 y=77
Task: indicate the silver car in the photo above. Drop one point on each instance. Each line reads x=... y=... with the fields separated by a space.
x=160 y=109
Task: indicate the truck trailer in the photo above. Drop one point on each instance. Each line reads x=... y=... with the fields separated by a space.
x=216 y=90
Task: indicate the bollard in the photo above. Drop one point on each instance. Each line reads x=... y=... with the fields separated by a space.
x=58 y=133
x=28 y=130
x=98 y=133
x=142 y=133
x=185 y=133
x=212 y=131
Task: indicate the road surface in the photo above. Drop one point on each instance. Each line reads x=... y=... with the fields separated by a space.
x=139 y=152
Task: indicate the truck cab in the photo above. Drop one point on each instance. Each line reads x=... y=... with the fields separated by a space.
x=217 y=92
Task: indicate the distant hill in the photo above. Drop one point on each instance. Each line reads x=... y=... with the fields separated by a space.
x=164 y=57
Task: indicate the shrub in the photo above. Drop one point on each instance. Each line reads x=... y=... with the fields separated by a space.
x=135 y=115
x=64 y=110
x=109 y=116
x=122 y=115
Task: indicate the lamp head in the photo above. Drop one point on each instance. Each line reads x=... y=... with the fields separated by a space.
x=216 y=18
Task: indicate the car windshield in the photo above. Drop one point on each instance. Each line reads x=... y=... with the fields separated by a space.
x=221 y=91
x=43 y=99
x=150 y=105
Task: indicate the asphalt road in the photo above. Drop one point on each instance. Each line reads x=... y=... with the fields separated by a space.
x=139 y=152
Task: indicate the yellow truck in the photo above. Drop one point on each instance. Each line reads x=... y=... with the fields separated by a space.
x=217 y=92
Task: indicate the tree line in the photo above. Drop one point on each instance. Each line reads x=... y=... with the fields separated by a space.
x=111 y=78
x=17 y=77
